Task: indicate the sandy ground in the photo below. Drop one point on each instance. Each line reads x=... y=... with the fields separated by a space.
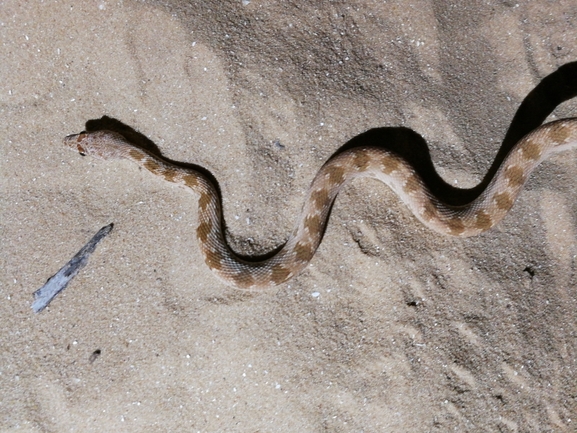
x=392 y=328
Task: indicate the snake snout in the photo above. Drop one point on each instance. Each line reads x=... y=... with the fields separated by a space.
x=75 y=141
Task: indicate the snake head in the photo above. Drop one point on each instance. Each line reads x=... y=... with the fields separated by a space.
x=75 y=141
x=101 y=144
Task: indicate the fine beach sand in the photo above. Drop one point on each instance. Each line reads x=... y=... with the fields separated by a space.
x=392 y=328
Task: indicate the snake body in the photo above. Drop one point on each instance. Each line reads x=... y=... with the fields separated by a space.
x=471 y=219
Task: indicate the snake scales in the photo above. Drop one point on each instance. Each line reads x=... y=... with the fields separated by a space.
x=467 y=220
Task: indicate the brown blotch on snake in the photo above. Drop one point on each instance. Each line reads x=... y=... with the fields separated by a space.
x=515 y=175
x=303 y=252
x=203 y=202
x=483 y=220
x=429 y=211
x=279 y=274
x=203 y=231
x=531 y=150
x=482 y=213
x=456 y=226
x=243 y=280
x=412 y=185
x=169 y=175
x=137 y=154
x=337 y=175
x=559 y=133
x=151 y=165
x=362 y=161
x=320 y=197
x=190 y=180
x=313 y=224
x=212 y=259
x=504 y=201
x=390 y=163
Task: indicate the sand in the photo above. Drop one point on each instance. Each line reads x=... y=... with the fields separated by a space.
x=392 y=328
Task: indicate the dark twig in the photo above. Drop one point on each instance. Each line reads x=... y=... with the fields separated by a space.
x=60 y=280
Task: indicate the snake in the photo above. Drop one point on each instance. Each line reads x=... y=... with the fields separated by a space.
x=473 y=218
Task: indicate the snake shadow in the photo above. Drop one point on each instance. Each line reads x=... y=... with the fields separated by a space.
x=554 y=89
